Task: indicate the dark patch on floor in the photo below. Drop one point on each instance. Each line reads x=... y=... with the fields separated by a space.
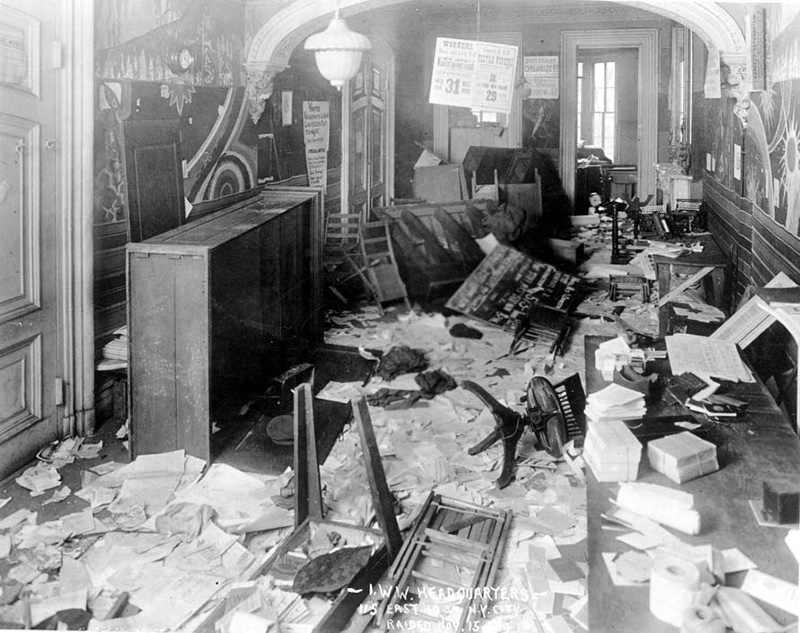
x=243 y=441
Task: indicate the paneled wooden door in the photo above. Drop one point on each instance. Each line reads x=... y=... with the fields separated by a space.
x=30 y=314
x=369 y=132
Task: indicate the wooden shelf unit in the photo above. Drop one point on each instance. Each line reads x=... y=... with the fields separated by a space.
x=219 y=304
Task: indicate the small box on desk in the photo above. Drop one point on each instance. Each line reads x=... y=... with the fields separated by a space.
x=612 y=451
x=682 y=457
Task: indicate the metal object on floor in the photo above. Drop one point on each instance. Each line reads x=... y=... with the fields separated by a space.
x=544 y=415
x=454 y=550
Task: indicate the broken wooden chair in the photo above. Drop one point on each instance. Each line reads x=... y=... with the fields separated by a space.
x=455 y=548
x=309 y=517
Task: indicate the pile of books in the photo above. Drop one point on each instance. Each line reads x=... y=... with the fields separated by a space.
x=115 y=352
x=680 y=389
x=717 y=407
x=699 y=394
x=615 y=402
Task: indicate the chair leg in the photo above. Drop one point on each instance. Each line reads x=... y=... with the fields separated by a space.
x=367 y=284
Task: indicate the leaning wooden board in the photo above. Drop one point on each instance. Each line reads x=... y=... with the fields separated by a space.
x=507 y=283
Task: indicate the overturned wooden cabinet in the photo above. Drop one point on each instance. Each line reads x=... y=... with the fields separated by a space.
x=217 y=306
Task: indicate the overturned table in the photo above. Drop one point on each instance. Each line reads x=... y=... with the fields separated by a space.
x=755 y=448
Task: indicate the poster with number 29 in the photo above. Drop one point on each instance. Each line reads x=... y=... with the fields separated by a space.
x=472 y=74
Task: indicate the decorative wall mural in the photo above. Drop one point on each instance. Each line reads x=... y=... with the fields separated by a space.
x=784 y=21
x=119 y=21
x=231 y=176
x=179 y=95
x=771 y=144
x=113 y=100
x=783 y=140
x=213 y=31
x=541 y=123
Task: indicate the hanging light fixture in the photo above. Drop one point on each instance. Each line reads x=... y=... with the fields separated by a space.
x=338 y=51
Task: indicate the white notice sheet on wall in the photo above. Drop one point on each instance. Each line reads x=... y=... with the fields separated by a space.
x=316 y=134
x=472 y=74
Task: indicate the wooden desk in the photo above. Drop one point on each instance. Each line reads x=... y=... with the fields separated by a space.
x=756 y=448
x=713 y=282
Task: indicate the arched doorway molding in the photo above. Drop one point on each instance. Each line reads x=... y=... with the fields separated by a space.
x=274 y=42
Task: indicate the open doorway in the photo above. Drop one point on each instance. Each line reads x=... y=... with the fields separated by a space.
x=607 y=118
x=607 y=125
x=626 y=49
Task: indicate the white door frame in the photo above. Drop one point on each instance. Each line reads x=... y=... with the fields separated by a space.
x=76 y=187
x=646 y=41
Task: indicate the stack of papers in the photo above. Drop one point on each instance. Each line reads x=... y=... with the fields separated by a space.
x=706 y=357
x=615 y=402
x=115 y=352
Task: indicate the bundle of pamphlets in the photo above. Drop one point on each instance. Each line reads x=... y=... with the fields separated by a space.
x=615 y=402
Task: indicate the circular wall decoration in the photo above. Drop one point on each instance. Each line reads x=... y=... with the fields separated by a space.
x=231 y=176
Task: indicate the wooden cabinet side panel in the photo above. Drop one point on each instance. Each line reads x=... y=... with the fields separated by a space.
x=192 y=356
x=151 y=288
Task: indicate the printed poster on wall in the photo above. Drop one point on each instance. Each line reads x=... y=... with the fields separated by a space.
x=541 y=76
x=472 y=74
x=316 y=134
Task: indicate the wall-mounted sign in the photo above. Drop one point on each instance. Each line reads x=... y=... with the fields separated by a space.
x=541 y=76
x=316 y=134
x=472 y=74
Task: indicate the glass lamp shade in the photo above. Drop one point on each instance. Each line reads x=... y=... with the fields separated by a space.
x=338 y=51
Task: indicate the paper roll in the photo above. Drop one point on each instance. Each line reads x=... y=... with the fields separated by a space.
x=702 y=620
x=663 y=507
x=673 y=582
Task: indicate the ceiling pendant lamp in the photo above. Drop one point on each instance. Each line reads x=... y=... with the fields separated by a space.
x=338 y=51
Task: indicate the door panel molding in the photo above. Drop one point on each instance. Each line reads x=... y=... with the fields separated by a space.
x=20 y=386
x=20 y=203
x=23 y=71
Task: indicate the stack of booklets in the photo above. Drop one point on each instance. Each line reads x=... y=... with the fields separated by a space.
x=615 y=402
x=680 y=389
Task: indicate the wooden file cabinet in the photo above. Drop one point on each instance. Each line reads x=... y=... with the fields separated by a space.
x=217 y=305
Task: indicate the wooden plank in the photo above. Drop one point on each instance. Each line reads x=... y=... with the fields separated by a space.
x=193 y=357
x=662 y=301
x=459 y=240
x=152 y=354
x=307 y=488
x=381 y=496
x=440 y=183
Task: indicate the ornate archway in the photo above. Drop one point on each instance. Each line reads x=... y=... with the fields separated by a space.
x=274 y=42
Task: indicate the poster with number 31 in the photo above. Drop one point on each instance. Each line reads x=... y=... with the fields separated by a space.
x=472 y=74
